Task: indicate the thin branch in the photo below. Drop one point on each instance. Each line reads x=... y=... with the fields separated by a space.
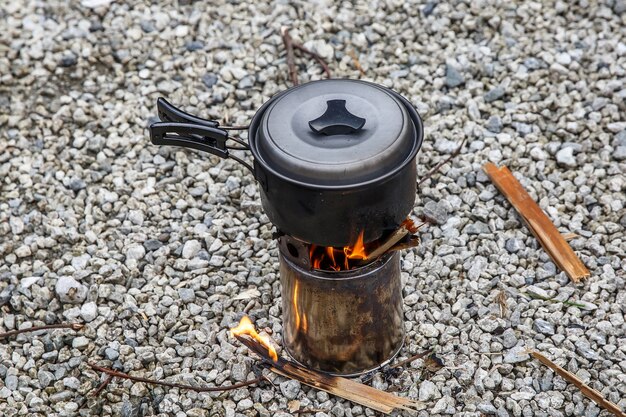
x=311 y=411
x=290 y=46
x=399 y=364
x=175 y=385
x=73 y=326
x=291 y=63
x=233 y=127
x=103 y=385
x=442 y=163
x=411 y=359
x=315 y=56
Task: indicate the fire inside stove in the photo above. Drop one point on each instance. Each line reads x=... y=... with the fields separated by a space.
x=329 y=258
x=339 y=259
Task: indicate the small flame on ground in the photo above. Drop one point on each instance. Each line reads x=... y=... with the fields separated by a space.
x=245 y=327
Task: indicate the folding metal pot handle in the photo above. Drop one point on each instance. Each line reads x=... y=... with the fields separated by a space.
x=179 y=128
x=187 y=135
x=168 y=113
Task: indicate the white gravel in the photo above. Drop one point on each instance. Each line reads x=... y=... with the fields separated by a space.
x=159 y=250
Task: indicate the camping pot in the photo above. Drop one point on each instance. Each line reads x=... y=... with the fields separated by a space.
x=333 y=158
x=343 y=323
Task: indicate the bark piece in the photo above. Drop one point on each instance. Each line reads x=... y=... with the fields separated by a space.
x=539 y=224
x=585 y=389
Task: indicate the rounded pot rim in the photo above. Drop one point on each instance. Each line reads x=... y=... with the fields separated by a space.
x=418 y=128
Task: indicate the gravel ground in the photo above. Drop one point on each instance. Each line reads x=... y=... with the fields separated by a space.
x=149 y=246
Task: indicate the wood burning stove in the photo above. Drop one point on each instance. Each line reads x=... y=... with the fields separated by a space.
x=335 y=162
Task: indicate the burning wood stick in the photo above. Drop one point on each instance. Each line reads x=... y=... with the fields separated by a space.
x=585 y=389
x=538 y=223
x=356 y=392
x=405 y=228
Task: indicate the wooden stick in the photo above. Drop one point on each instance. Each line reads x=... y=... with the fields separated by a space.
x=122 y=375
x=538 y=223
x=570 y=236
x=73 y=326
x=405 y=228
x=585 y=389
x=412 y=242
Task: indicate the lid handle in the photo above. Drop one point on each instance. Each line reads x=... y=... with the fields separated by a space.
x=336 y=120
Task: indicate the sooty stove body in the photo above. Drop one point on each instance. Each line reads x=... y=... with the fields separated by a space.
x=340 y=322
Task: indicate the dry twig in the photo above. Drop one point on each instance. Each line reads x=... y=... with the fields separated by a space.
x=291 y=63
x=102 y=386
x=501 y=300
x=290 y=46
x=420 y=355
x=585 y=389
x=73 y=326
x=442 y=163
x=310 y=411
x=355 y=61
x=315 y=56
x=411 y=359
x=122 y=375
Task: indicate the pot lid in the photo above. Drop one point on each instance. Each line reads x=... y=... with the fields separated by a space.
x=337 y=133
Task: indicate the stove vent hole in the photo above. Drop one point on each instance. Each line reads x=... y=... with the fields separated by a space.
x=293 y=251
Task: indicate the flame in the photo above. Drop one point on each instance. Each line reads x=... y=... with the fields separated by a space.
x=300 y=320
x=338 y=259
x=245 y=327
x=295 y=304
x=357 y=251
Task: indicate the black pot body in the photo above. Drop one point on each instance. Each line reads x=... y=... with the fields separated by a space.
x=336 y=217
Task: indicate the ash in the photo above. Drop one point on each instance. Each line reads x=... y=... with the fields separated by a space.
x=151 y=247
